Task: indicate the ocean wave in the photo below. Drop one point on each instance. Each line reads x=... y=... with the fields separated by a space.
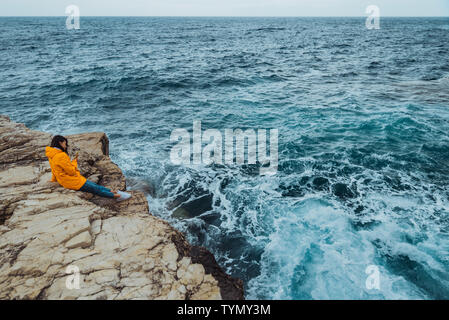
x=363 y=150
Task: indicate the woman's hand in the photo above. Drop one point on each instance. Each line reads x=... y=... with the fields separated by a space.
x=76 y=156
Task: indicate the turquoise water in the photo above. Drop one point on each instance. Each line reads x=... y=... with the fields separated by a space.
x=363 y=124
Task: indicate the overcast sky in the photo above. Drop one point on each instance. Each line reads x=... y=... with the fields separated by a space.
x=224 y=7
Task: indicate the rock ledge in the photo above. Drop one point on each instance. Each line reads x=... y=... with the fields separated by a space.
x=47 y=233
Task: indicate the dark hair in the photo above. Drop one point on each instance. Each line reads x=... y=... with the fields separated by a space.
x=56 y=140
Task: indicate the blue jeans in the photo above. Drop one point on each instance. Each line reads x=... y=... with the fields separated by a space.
x=94 y=188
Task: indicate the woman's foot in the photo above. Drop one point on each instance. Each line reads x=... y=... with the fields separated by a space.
x=123 y=196
x=116 y=195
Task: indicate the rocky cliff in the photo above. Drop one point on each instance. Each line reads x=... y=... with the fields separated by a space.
x=119 y=248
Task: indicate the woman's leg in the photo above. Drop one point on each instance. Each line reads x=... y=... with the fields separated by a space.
x=94 y=188
x=104 y=188
x=109 y=190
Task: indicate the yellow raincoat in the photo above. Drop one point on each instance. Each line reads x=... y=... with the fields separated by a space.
x=64 y=170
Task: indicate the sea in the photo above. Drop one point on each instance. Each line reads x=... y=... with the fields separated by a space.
x=359 y=205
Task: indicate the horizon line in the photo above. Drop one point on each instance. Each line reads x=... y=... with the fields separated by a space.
x=206 y=16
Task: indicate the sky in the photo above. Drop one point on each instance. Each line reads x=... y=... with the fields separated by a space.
x=224 y=7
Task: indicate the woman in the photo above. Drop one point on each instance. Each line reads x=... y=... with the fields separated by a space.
x=66 y=173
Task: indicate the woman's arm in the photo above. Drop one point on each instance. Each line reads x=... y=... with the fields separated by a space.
x=69 y=167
